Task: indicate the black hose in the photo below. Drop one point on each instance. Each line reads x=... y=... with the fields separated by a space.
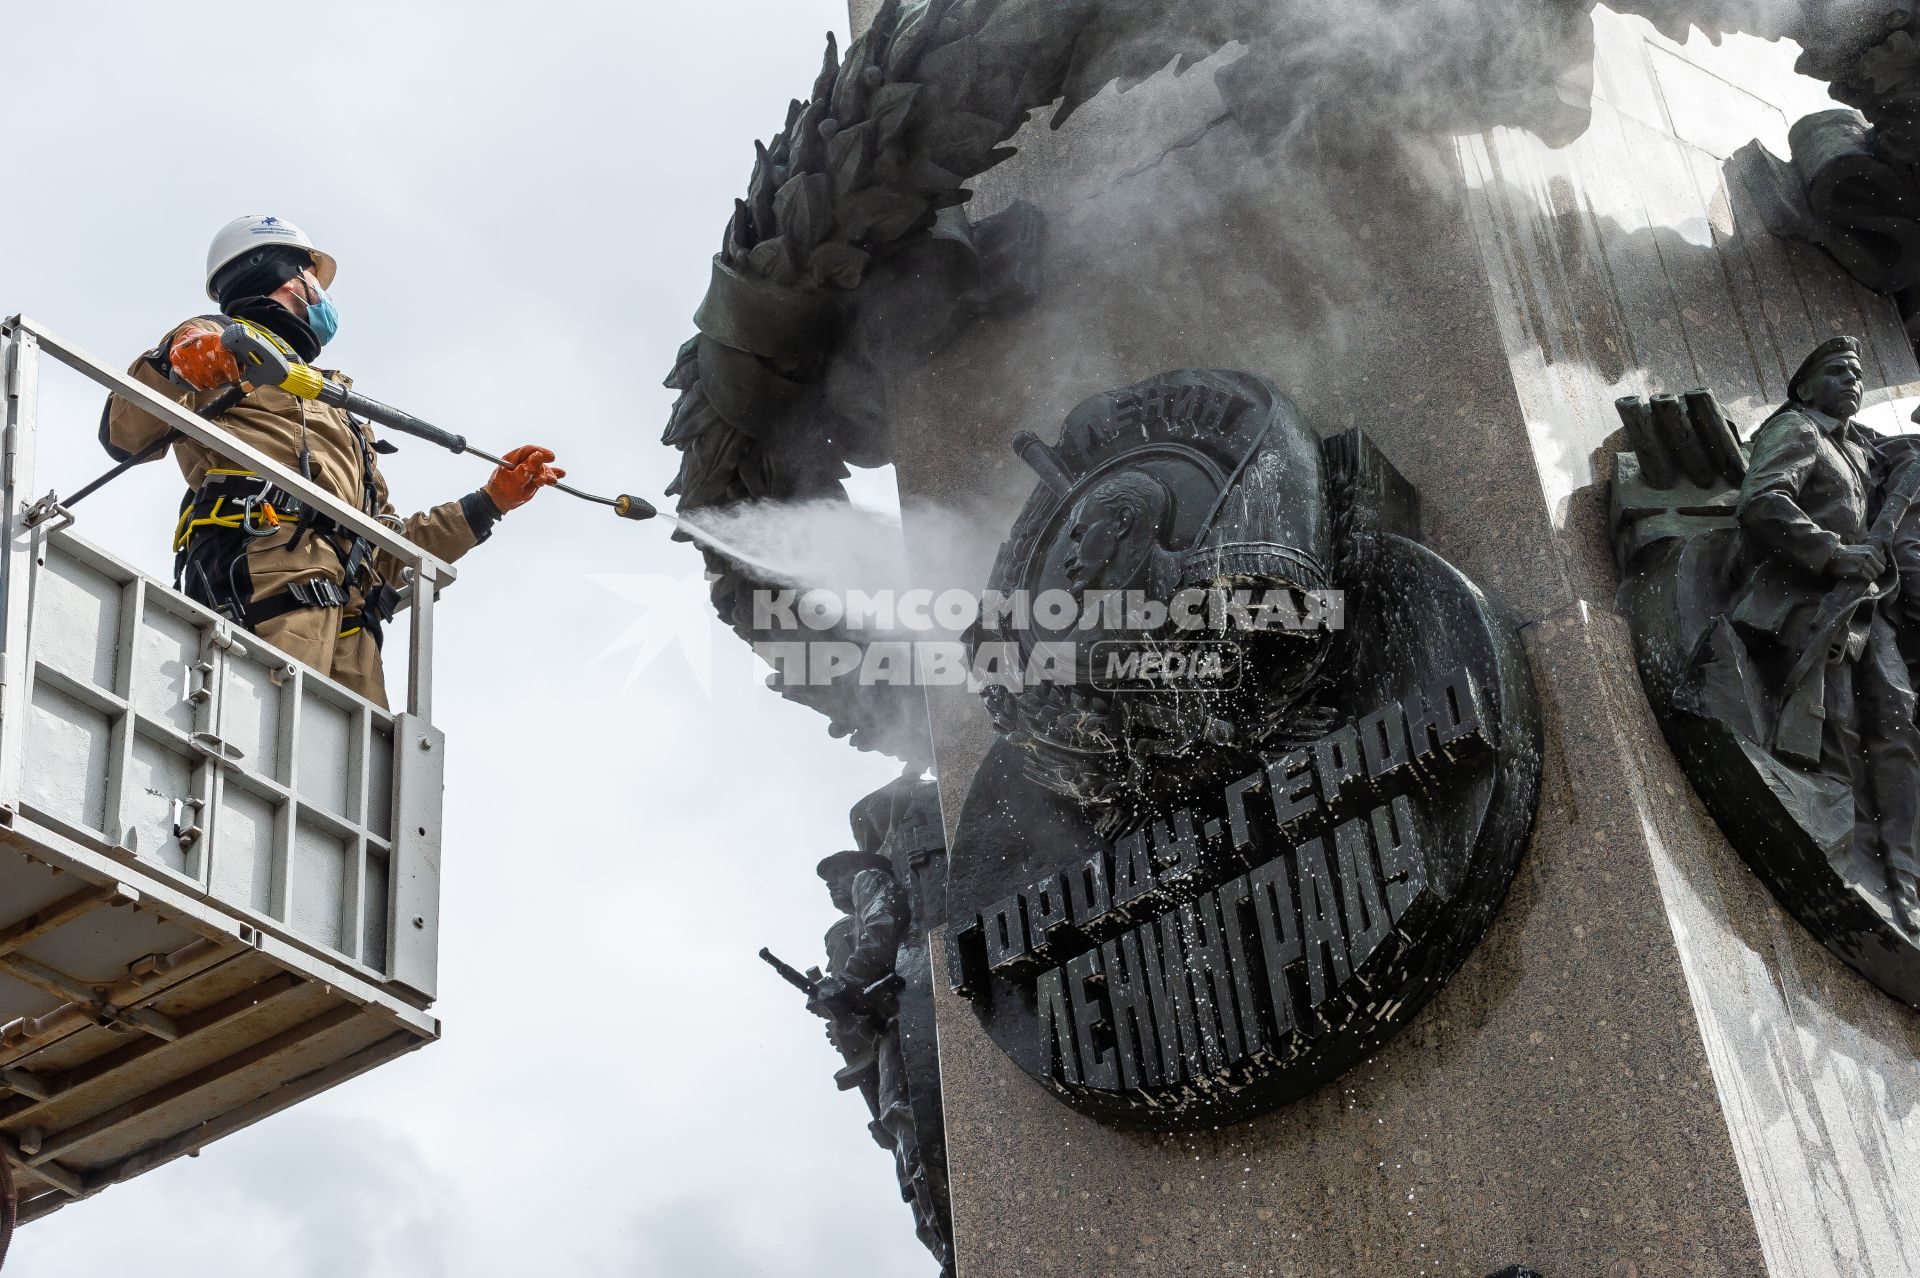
x=220 y=404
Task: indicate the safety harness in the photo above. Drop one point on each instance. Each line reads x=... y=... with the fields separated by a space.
x=233 y=509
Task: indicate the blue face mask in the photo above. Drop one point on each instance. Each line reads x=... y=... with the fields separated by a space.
x=322 y=318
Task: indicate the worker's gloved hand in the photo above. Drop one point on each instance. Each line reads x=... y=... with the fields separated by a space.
x=199 y=360
x=513 y=486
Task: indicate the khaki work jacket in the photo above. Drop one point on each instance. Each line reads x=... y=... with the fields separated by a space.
x=279 y=425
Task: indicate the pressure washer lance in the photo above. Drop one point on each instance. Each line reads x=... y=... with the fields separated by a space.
x=263 y=362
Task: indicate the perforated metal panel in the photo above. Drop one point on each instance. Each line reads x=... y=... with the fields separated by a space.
x=158 y=731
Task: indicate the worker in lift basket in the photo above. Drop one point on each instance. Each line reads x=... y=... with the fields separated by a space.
x=243 y=546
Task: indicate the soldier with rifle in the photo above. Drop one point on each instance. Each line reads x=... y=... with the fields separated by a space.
x=876 y=959
x=1823 y=503
x=857 y=995
x=857 y=1011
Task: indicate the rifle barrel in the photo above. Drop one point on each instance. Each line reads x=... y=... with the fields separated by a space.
x=791 y=975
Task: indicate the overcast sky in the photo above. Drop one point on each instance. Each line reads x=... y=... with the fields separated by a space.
x=523 y=199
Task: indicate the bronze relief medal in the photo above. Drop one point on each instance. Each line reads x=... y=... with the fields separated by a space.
x=1199 y=890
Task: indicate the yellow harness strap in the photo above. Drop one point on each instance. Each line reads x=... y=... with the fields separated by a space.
x=184 y=528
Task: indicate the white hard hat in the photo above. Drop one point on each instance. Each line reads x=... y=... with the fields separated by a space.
x=244 y=234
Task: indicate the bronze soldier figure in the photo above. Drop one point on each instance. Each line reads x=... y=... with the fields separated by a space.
x=861 y=948
x=877 y=993
x=901 y=821
x=860 y=998
x=1814 y=487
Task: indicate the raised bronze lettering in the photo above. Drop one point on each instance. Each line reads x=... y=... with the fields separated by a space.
x=1402 y=860
x=1278 y=924
x=1130 y=1009
x=1320 y=924
x=1365 y=911
x=1093 y=1035
x=1296 y=801
x=1056 y=1027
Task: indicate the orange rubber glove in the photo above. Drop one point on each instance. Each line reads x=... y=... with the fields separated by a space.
x=200 y=360
x=513 y=486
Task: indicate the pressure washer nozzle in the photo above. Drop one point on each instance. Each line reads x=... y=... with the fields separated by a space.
x=629 y=507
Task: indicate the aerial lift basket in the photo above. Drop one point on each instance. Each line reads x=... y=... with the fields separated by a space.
x=219 y=870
